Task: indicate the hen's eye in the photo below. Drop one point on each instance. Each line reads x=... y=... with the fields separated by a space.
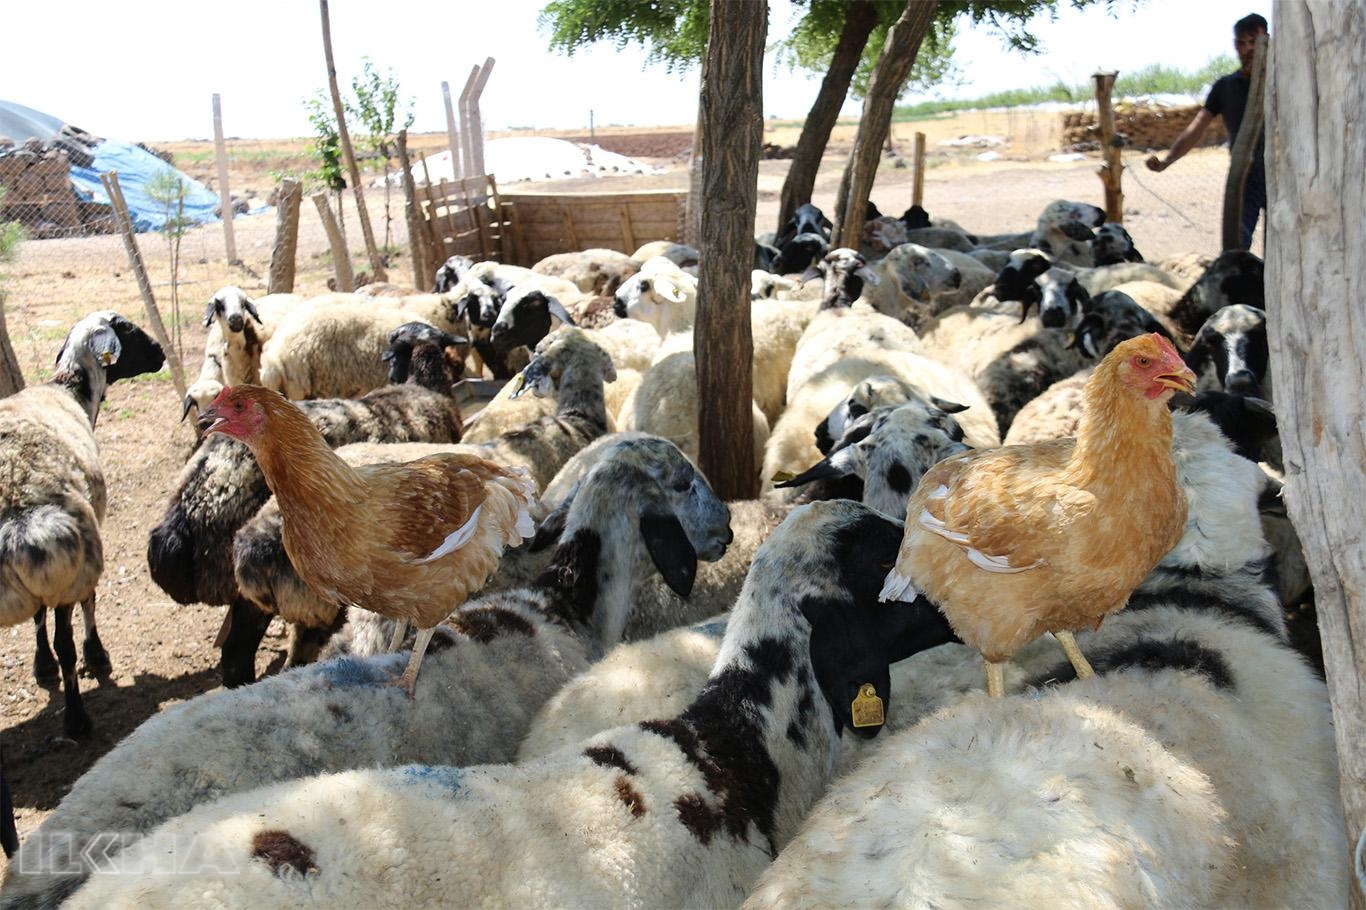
x=1144 y=361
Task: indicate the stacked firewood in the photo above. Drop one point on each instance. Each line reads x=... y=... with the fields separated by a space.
x=1143 y=125
x=38 y=192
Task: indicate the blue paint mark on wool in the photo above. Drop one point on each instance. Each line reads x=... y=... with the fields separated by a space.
x=353 y=671
x=445 y=776
x=711 y=629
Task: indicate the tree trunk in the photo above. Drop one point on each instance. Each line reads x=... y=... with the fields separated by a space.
x=732 y=114
x=820 y=120
x=893 y=66
x=344 y=136
x=1316 y=151
x=11 y=374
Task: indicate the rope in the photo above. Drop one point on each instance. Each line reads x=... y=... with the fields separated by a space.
x=1132 y=171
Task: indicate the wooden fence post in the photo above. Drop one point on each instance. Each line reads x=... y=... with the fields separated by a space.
x=918 y=186
x=423 y=269
x=1110 y=172
x=344 y=137
x=1244 y=150
x=220 y=151
x=452 y=133
x=282 y=255
x=149 y=303
x=341 y=259
x=466 y=148
x=476 y=137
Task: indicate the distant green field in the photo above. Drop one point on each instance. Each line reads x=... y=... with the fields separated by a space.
x=1151 y=80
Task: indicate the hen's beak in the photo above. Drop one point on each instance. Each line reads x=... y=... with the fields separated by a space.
x=1183 y=380
x=208 y=421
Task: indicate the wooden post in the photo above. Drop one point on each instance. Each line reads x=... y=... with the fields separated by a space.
x=731 y=102
x=282 y=255
x=149 y=303
x=477 y=122
x=1244 y=150
x=224 y=195
x=918 y=186
x=452 y=133
x=1110 y=172
x=1314 y=273
x=466 y=148
x=341 y=259
x=344 y=135
x=423 y=268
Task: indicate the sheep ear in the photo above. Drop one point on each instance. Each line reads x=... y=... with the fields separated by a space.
x=1030 y=298
x=667 y=288
x=843 y=463
x=869 y=275
x=948 y=407
x=250 y=306
x=209 y=311
x=672 y=552
x=1035 y=266
x=189 y=403
x=1260 y=406
x=558 y=311
x=1075 y=230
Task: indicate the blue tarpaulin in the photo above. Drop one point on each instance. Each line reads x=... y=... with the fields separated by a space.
x=137 y=167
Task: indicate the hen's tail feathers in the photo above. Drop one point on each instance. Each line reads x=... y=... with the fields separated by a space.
x=519 y=496
x=898 y=587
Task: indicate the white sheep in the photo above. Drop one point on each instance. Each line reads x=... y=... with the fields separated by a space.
x=330 y=351
x=1208 y=747
x=238 y=327
x=644 y=507
x=52 y=498
x=593 y=271
x=913 y=282
x=839 y=332
x=684 y=811
x=661 y=294
x=792 y=444
x=665 y=402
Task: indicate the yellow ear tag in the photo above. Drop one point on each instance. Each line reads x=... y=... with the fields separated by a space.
x=867 y=707
x=518 y=385
x=782 y=476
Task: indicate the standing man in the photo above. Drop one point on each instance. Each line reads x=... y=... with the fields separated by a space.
x=1228 y=99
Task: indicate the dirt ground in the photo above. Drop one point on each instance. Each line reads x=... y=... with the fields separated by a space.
x=162 y=652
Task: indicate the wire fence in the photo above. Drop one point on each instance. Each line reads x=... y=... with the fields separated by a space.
x=73 y=262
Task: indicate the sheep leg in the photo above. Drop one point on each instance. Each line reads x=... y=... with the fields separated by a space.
x=44 y=664
x=245 y=628
x=92 y=649
x=74 y=721
x=996 y=678
x=306 y=642
x=1069 y=647
x=409 y=678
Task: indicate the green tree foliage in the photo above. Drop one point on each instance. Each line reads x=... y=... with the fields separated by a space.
x=169 y=189
x=378 y=109
x=674 y=31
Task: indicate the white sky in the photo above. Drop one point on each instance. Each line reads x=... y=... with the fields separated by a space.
x=147 y=69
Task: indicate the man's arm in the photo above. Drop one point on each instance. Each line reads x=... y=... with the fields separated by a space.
x=1184 y=142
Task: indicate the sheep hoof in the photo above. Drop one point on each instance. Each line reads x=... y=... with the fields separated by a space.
x=45 y=672
x=96 y=659
x=76 y=724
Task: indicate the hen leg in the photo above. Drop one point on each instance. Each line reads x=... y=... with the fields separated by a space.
x=400 y=633
x=1069 y=647
x=996 y=678
x=409 y=678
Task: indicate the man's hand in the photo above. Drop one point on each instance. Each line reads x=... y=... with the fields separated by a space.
x=1156 y=164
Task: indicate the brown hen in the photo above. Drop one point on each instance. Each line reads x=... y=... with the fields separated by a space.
x=409 y=541
x=1019 y=540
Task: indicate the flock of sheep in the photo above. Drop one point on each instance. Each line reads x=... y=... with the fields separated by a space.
x=649 y=704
